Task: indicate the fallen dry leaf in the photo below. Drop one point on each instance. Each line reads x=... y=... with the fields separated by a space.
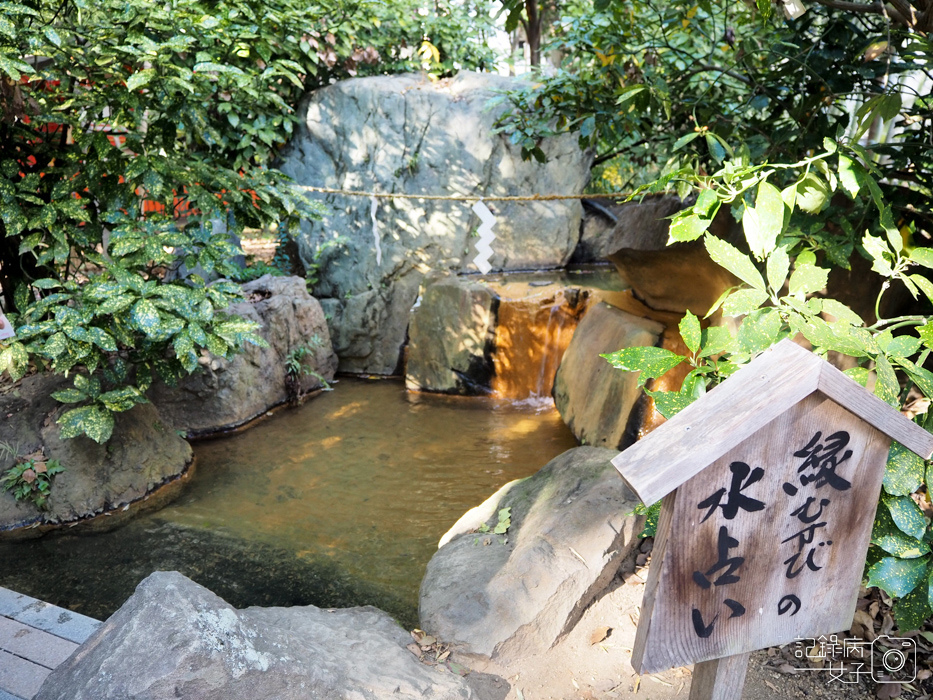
x=887 y=691
x=599 y=634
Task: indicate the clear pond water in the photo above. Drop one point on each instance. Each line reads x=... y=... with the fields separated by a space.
x=338 y=502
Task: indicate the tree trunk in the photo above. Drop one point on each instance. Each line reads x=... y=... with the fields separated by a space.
x=533 y=31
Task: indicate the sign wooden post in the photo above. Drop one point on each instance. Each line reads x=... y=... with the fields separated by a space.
x=770 y=483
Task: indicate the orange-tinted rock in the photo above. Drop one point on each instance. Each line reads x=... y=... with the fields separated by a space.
x=595 y=399
x=502 y=335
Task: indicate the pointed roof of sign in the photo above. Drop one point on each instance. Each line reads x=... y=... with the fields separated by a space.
x=743 y=404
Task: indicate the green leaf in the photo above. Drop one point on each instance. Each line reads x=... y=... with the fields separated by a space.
x=93 y=421
x=706 y=205
x=55 y=345
x=842 y=312
x=913 y=610
x=897 y=577
x=649 y=361
x=716 y=149
x=926 y=333
x=906 y=515
x=812 y=194
x=878 y=251
x=140 y=79
x=89 y=385
x=53 y=36
x=145 y=317
x=886 y=534
x=903 y=346
x=924 y=284
x=858 y=374
x=765 y=8
x=687 y=228
x=807 y=279
x=102 y=339
x=904 y=471
x=923 y=378
x=628 y=92
x=922 y=256
x=13 y=67
x=46 y=283
x=759 y=331
x=670 y=403
x=208 y=67
x=716 y=340
x=777 y=268
x=69 y=396
x=685 y=139
x=851 y=174
x=836 y=336
x=763 y=222
x=743 y=301
x=690 y=331
x=122 y=399
x=887 y=387
x=216 y=345
x=729 y=257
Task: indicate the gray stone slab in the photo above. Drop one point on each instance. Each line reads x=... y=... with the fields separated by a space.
x=8 y=696
x=45 y=616
x=30 y=643
x=19 y=676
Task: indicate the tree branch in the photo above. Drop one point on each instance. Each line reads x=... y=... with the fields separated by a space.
x=875 y=8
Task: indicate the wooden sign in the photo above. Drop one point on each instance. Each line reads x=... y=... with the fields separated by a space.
x=6 y=328
x=770 y=484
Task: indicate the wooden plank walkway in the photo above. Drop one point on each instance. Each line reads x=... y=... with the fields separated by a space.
x=35 y=637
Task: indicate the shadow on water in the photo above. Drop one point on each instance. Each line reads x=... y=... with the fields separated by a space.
x=340 y=502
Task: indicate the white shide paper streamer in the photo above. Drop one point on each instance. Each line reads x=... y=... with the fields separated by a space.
x=486 y=237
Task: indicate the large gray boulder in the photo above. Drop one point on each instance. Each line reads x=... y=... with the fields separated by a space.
x=409 y=134
x=174 y=638
x=226 y=394
x=594 y=399
x=509 y=597
x=143 y=456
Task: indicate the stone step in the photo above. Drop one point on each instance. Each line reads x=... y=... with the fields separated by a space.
x=35 y=637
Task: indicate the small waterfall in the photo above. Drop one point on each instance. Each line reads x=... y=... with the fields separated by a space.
x=533 y=331
x=501 y=335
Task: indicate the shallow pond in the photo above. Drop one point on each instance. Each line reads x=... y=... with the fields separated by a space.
x=338 y=502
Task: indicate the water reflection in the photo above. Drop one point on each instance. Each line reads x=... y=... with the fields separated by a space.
x=339 y=502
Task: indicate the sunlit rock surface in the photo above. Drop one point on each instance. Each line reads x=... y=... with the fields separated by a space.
x=595 y=399
x=225 y=394
x=512 y=595
x=408 y=134
x=174 y=638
